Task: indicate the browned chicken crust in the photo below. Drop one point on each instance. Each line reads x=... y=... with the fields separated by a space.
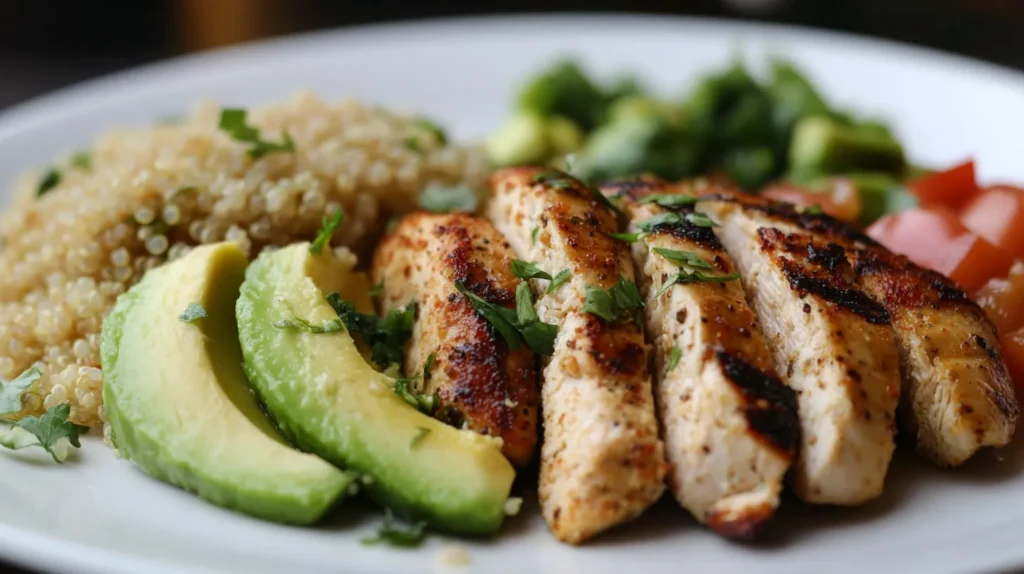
x=482 y=384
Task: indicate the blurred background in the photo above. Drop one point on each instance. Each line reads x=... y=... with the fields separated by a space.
x=47 y=44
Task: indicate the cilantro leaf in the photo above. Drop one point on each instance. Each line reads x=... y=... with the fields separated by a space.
x=560 y=180
x=687 y=258
x=82 y=160
x=700 y=219
x=670 y=200
x=609 y=304
x=444 y=199
x=193 y=312
x=673 y=358
x=50 y=428
x=425 y=126
x=428 y=366
x=421 y=433
x=49 y=181
x=233 y=122
x=426 y=404
x=527 y=270
x=525 y=311
x=628 y=237
x=386 y=337
x=666 y=218
x=329 y=326
x=563 y=276
x=502 y=319
x=10 y=393
x=393 y=536
x=518 y=326
x=685 y=277
x=533 y=234
x=328 y=226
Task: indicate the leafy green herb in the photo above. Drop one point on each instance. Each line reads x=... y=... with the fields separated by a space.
x=673 y=358
x=232 y=121
x=533 y=234
x=444 y=199
x=328 y=326
x=559 y=280
x=609 y=304
x=377 y=289
x=561 y=180
x=685 y=277
x=386 y=337
x=328 y=226
x=10 y=393
x=812 y=210
x=518 y=326
x=526 y=270
x=666 y=218
x=421 y=433
x=47 y=432
x=424 y=125
x=82 y=160
x=393 y=536
x=428 y=366
x=670 y=200
x=426 y=404
x=700 y=219
x=49 y=181
x=192 y=312
x=687 y=258
x=628 y=237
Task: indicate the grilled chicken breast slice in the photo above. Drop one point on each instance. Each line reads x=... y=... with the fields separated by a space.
x=957 y=396
x=833 y=345
x=729 y=424
x=601 y=459
x=481 y=383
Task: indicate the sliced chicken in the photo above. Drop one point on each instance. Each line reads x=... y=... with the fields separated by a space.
x=832 y=344
x=957 y=396
x=729 y=424
x=481 y=383
x=601 y=459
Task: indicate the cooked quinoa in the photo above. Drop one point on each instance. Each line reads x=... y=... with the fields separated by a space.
x=151 y=194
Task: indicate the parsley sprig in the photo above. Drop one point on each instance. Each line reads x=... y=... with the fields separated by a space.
x=233 y=122
x=691 y=270
x=52 y=431
x=518 y=326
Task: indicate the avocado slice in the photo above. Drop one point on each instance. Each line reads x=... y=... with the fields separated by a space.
x=179 y=404
x=329 y=400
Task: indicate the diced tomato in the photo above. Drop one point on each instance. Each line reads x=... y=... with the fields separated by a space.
x=840 y=201
x=997 y=214
x=951 y=188
x=1002 y=298
x=935 y=238
x=1013 y=353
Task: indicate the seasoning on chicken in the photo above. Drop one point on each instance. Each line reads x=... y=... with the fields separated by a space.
x=832 y=344
x=481 y=382
x=730 y=426
x=957 y=396
x=601 y=460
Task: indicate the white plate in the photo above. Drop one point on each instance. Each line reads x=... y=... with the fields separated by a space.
x=97 y=514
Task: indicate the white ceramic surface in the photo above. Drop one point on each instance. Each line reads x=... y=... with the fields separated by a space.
x=97 y=514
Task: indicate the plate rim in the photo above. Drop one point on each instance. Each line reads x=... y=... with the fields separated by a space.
x=34 y=550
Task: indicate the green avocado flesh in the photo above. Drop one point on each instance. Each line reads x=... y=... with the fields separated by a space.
x=179 y=403
x=327 y=399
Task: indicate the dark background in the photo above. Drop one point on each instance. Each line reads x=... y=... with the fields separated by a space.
x=47 y=44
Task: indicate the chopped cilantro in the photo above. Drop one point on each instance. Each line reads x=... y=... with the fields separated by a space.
x=424 y=125
x=812 y=210
x=377 y=289
x=192 y=312
x=10 y=393
x=609 y=304
x=685 y=277
x=533 y=234
x=428 y=366
x=526 y=270
x=563 y=276
x=443 y=199
x=47 y=431
x=673 y=358
x=700 y=219
x=426 y=404
x=232 y=121
x=666 y=218
x=49 y=181
x=628 y=237
x=328 y=226
x=329 y=326
x=393 y=536
x=518 y=326
x=670 y=200
x=82 y=160
x=386 y=337
x=561 y=180
x=687 y=258
x=421 y=433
